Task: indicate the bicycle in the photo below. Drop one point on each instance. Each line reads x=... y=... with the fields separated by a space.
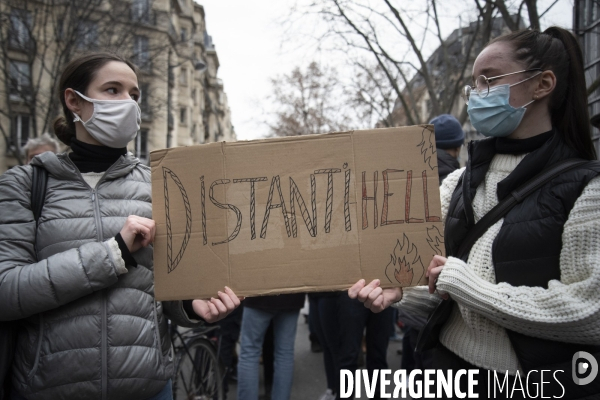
x=199 y=373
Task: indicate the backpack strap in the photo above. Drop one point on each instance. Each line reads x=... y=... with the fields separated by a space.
x=517 y=196
x=39 y=181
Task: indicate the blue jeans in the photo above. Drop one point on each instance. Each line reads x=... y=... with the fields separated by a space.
x=254 y=325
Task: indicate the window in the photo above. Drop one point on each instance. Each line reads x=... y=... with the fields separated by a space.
x=593 y=38
x=19 y=130
x=183 y=116
x=87 y=35
x=184 y=35
x=183 y=76
x=141 y=52
x=20 y=28
x=141 y=10
x=195 y=96
x=208 y=43
x=141 y=145
x=144 y=103
x=20 y=80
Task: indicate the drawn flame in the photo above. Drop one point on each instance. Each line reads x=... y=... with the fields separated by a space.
x=400 y=269
x=404 y=274
x=428 y=147
x=435 y=239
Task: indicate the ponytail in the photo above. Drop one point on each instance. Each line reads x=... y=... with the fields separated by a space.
x=556 y=49
x=570 y=113
x=63 y=131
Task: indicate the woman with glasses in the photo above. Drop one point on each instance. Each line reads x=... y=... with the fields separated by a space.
x=527 y=299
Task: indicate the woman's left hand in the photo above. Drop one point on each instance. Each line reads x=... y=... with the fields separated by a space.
x=214 y=310
x=433 y=272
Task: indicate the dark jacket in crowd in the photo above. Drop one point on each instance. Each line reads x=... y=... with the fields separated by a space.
x=283 y=302
x=446 y=164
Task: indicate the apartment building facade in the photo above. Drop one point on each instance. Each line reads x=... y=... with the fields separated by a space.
x=586 y=25
x=183 y=101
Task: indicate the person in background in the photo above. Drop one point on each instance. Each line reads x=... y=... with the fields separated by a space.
x=449 y=138
x=78 y=282
x=229 y=334
x=324 y=316
x=283 y=310
x=39 y=145
x=354 y=320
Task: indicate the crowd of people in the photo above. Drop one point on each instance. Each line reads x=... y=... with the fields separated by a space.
x=79 y=318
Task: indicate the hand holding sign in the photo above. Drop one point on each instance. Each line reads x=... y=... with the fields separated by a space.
x=373 y=296
x=434 y=271
x=138 y=232
x=214 y=310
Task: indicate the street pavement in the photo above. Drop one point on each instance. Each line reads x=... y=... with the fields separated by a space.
x=309 y=372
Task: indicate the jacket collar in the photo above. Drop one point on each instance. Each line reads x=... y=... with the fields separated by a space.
x=483 y=151
x=549 y=153
x=60 y=166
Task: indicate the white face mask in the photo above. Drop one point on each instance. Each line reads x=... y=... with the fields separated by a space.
x=114 y=123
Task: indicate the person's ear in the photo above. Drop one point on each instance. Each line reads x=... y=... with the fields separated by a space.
x=545 y=85
x=73 y=101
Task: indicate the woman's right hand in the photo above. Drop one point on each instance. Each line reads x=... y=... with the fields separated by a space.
x=138 y=232
x=373 y=296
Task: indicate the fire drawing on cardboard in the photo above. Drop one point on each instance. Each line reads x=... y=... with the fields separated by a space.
x=427 y=146
x=172 y=263
x=435 y=240
x=401 y=269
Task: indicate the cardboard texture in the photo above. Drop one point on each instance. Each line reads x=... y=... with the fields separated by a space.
x=297 y=214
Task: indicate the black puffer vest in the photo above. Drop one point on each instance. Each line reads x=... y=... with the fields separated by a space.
x=526 y=251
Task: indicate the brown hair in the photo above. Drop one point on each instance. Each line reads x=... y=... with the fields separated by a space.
x=557 y=50
x=77 y=75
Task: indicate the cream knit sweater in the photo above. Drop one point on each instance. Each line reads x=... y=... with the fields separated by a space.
x=569 y=310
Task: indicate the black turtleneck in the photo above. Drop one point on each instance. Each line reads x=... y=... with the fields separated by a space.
x=522 y=146
x=91 y=158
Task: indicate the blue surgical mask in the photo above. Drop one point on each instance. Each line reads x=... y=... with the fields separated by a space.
x=493 y=116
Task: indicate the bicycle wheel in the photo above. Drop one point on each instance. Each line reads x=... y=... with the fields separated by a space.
x=198 y=374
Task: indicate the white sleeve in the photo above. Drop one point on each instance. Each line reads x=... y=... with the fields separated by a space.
x=417 y=300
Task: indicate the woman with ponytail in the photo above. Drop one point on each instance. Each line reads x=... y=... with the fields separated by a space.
x=526 y=298
x=79 y=279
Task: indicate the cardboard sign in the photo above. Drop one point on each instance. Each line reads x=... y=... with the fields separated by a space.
x=296 y=214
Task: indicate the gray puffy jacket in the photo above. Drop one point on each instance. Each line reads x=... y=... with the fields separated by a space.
x=85 y=333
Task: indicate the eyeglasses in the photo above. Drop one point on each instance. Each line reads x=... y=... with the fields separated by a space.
x=482 y=84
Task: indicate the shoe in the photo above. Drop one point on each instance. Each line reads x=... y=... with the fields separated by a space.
x=328 y=395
